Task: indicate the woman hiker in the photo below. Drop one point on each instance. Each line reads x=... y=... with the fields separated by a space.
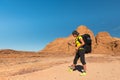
x=80 y=52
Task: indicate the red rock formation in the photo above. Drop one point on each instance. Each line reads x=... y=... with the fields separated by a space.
x=60 y=45
x=106 y=44
x=103 y=43
x=103 y=38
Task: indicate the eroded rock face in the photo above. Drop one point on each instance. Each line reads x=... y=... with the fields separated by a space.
x=58 y=45
x=115 y=46
x=103 y=43
x=61 y=44
x=103 y=38
x=106 y=44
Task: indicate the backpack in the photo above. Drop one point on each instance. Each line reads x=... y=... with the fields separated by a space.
x=88 y=43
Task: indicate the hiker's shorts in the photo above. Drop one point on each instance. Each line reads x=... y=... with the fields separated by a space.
x=80 y=54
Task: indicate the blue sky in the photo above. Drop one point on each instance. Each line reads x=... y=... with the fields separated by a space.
x=31 y=24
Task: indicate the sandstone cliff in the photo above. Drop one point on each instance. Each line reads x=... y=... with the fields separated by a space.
x=102 y=43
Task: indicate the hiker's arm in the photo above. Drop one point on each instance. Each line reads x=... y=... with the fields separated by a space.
x=71 y=44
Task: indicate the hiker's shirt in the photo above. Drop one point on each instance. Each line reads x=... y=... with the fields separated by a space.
x=78 y=42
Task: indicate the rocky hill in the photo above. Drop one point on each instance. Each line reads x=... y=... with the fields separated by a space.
x=102 y=43
x=8 y=53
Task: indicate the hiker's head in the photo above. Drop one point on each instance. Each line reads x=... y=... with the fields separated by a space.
x=75 y=33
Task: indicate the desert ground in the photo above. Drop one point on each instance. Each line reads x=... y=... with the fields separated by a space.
x=39 y=66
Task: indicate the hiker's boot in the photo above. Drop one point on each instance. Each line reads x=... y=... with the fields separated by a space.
x=83 y=73
x=71 y=68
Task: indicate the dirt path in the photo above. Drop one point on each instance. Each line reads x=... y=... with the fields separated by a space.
x=100 y=67
x=96 y=71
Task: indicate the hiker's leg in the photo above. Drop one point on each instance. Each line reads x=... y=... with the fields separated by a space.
x=84 y=66
x=76 y=59
x=82 y=59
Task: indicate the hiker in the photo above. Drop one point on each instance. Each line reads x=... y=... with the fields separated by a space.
x=80 y=52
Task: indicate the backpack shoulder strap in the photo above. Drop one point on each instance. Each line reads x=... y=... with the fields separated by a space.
x=79 y=37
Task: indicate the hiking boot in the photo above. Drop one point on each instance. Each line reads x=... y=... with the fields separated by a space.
x=71 y=68
x=83 y=74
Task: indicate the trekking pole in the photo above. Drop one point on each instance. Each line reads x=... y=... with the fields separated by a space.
x=69 y=46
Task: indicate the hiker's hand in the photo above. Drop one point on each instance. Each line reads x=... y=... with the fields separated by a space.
x=69 y=43
x=76 y=48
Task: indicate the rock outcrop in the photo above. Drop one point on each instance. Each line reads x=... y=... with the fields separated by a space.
x=103 y=39
x=115 y=47
x=106 y=44
x=60 y=45
x=103 y=43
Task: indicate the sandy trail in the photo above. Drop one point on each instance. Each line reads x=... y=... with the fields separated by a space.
x=99 y=68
